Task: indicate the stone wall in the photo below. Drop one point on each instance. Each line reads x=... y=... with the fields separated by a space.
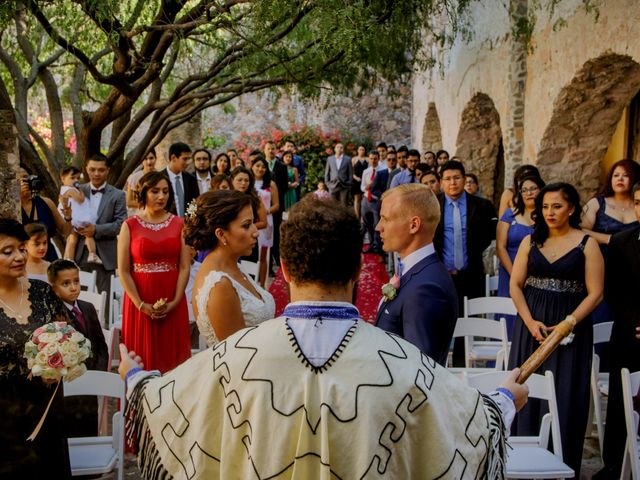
x=558 y=102
x=376 y=115
x=431 y=132
x=480 y=141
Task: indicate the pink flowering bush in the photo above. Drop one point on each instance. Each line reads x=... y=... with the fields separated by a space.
x=42 y=126
x=312 y=143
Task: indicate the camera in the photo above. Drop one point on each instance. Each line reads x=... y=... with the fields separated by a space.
x=34 y=183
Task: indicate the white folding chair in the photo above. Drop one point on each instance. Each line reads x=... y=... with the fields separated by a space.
x=529 y=457
x=490 y=285
x=88 y=281
x=489 y=307
x=630 y=385
x=100 y=454
x=98 y=300
x=479 y=350
x=599 y=381
x=250 y=268
x=116 y=297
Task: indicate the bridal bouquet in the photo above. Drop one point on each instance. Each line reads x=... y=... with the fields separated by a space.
x=57 y=351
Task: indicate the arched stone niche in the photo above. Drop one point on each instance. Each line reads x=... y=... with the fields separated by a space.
x=431 y=132
x=585 y=115
x=479 y=144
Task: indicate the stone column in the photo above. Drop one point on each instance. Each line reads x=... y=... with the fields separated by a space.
x=514 y=121
x=9 y=161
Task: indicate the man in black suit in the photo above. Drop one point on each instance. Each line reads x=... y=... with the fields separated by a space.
x=622 y=284
x=280 y=177
x=82 y=412
x=184 y=185
x=466 y=229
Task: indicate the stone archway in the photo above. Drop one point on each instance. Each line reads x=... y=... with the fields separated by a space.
x=431 y=133
x=479 y=144
x=585 y=115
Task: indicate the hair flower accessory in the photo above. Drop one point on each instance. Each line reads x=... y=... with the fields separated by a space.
x=390 y=290
x=192 y=210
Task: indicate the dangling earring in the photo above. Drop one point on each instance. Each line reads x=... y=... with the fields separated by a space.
x=224 y=242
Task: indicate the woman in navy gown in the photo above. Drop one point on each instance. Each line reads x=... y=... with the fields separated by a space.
x=606 y=214
x=558 y=272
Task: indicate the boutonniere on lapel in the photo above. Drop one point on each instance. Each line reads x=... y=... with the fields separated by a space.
x=390 y=290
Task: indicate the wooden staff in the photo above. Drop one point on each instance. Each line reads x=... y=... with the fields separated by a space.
x=547 y=347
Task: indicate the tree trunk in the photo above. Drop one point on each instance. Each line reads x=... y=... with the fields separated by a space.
x=9 y=158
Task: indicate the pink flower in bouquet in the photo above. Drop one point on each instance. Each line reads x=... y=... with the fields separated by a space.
x=395 y=281
x=37 y=333
x=56 y=360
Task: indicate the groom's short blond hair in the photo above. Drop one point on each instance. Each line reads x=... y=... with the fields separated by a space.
x=417 y=199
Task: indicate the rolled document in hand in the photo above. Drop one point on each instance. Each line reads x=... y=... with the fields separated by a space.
x=563 y=329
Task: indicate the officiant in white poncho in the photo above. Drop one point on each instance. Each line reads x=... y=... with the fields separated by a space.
x=316 y=393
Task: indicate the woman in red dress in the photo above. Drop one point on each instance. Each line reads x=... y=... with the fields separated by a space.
x=153 y=264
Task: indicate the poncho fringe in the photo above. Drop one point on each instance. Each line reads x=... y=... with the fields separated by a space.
x=139 y=437
x=495 y=464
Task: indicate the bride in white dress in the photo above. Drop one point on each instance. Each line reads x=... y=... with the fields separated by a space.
x=225 y=300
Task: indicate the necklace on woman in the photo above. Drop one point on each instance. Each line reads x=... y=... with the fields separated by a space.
x=18 y=316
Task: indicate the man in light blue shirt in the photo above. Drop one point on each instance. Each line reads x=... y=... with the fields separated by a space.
x=409 y=174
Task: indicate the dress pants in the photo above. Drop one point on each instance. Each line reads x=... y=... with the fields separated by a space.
x=370 y=214
x=341 y=196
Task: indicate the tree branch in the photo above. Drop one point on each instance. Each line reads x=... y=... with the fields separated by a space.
x=113 y=80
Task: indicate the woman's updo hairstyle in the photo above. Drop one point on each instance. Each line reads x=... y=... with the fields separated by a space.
x=147 y=182
x=212 y=210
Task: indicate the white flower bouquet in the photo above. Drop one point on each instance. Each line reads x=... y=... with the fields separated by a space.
x=57 y=351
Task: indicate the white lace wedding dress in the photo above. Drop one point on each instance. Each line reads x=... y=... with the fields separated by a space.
x=254 y=310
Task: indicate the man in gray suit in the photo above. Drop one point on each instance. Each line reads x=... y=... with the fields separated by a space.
x=109 y=210
x=338 y=174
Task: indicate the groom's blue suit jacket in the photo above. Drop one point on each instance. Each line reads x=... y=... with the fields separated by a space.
x=425 y=310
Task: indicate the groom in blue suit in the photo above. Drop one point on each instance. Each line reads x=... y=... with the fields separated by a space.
x=425 y=308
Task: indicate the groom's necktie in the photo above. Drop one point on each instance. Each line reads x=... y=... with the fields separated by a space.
x=399 y=268
x=458 y=256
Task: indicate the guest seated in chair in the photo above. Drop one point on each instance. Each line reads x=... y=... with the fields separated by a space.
x=82 y=412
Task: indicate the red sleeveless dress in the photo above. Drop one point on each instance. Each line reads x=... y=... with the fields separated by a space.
x=155 y=259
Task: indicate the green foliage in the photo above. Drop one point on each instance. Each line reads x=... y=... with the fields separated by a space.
x=213 y=142
x=312 y=144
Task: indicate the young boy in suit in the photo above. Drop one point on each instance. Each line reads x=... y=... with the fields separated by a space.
x=64 y=277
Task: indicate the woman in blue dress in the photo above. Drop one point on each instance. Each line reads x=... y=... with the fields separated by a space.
x=514 y=225
x=558 y=273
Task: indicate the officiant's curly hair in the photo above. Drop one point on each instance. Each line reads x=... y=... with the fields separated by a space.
x=321 y=242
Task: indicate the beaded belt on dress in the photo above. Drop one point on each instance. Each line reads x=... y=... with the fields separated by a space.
x=555 y=284
x=155 y=267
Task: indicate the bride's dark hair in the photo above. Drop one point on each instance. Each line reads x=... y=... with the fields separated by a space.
x=214 y=209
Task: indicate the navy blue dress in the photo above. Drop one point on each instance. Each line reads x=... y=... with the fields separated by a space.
x=517 y=232
x=602 y=313
x=553 y=291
